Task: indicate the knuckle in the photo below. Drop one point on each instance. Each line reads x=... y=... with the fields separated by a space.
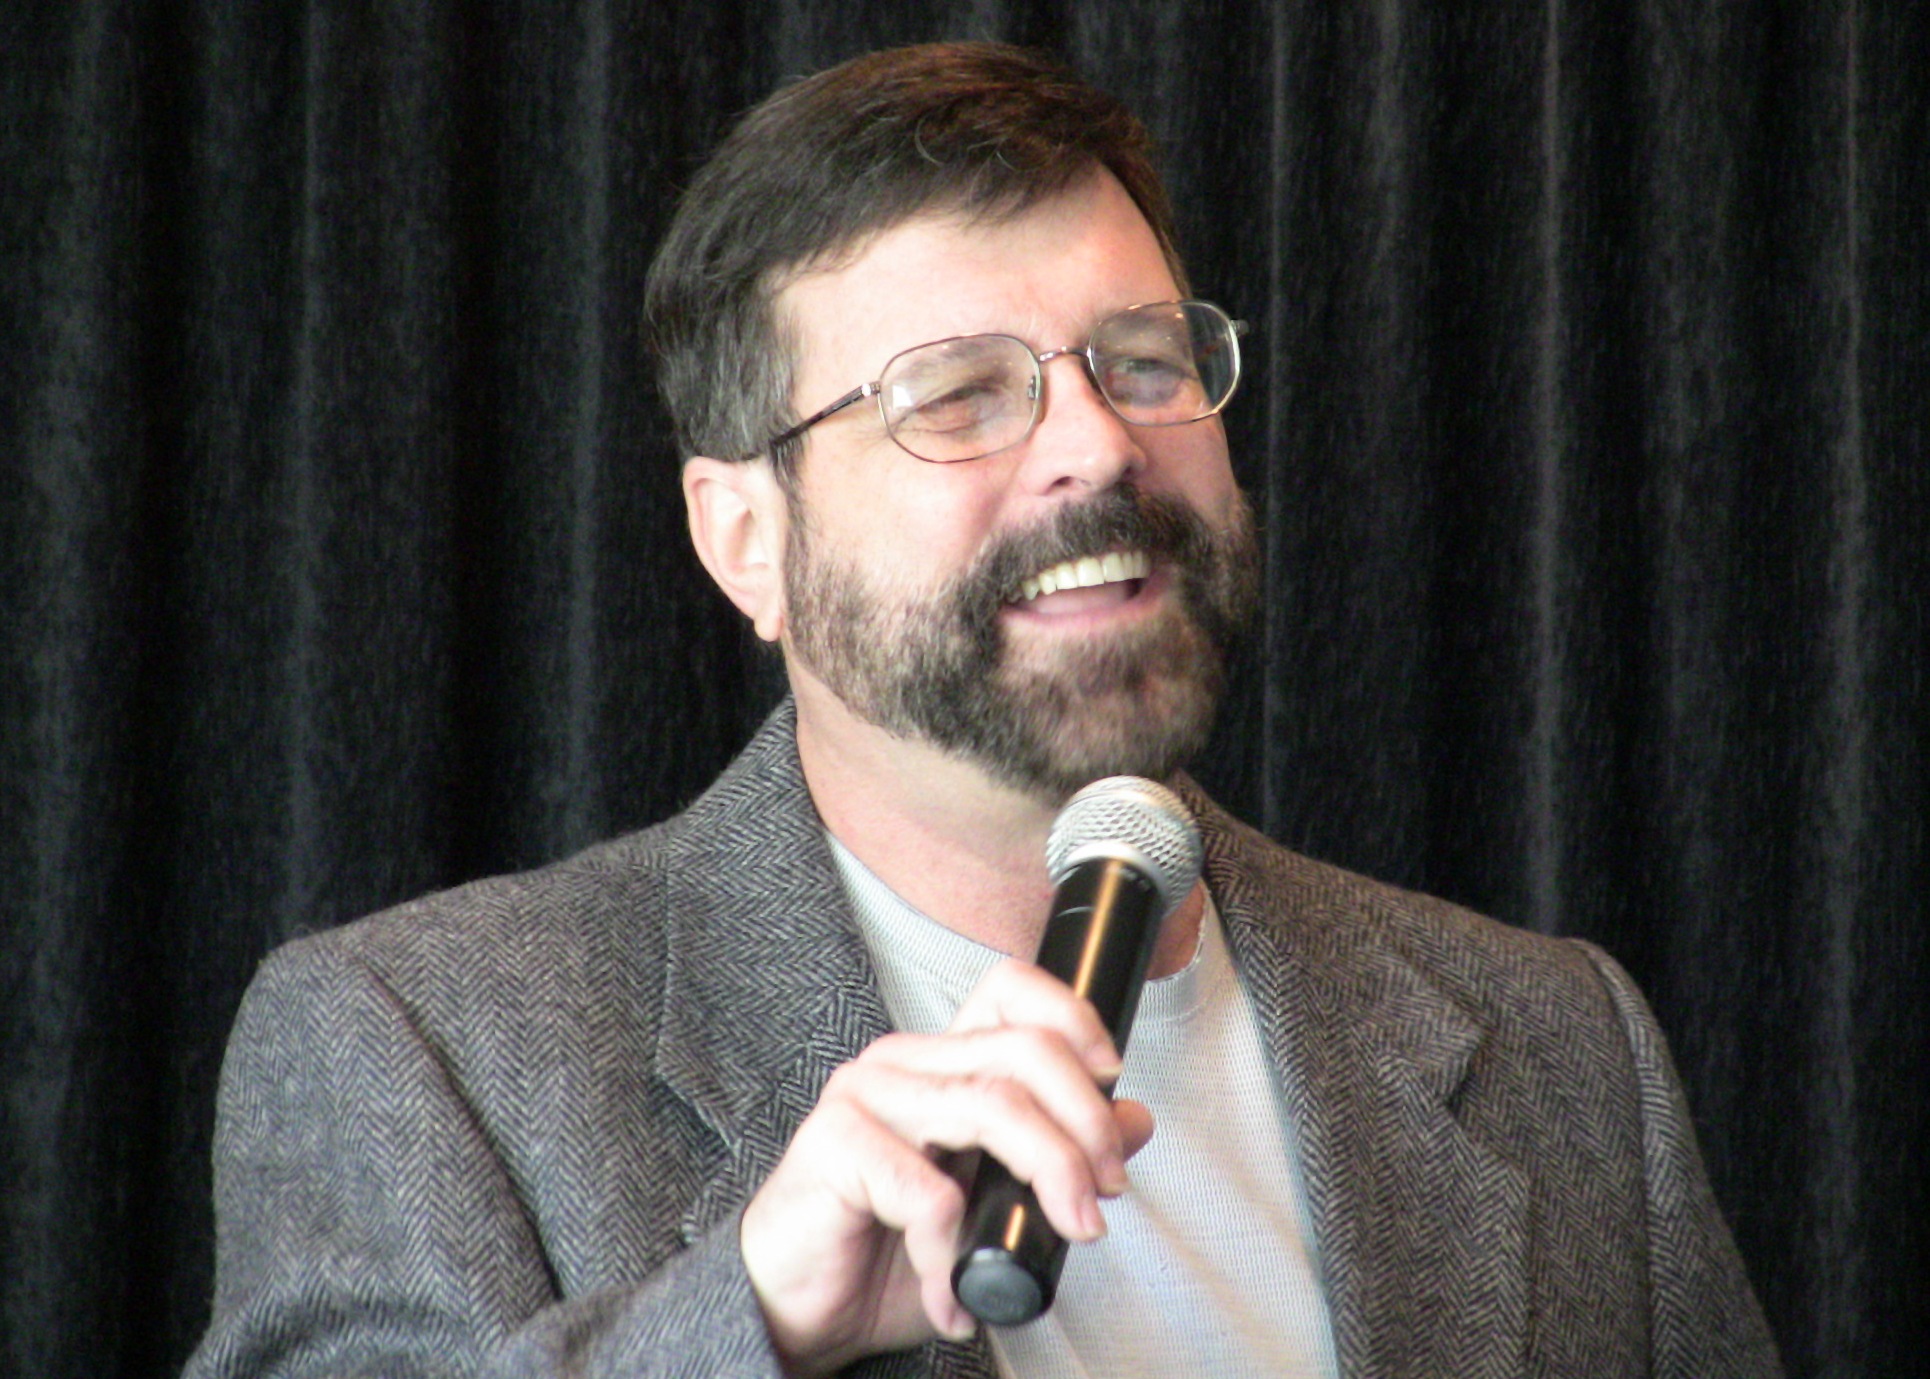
x=885 y=1051
x=936 y=1192
x=998 y=1094
x=1026 y=1045
x=842 y=1090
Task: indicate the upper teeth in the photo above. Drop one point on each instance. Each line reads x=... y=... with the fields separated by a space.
x=1087 y=571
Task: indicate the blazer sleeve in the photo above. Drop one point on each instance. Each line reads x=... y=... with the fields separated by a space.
x=365 y=1225
x=1705 y=1320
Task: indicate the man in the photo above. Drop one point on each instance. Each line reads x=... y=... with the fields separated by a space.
x=955 y=445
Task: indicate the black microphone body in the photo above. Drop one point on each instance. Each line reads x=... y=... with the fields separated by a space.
x=1110 y=901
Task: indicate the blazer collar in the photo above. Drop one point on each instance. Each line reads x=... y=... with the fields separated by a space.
x=1419 y=1225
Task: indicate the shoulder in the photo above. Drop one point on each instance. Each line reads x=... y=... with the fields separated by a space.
x=549 y=927
x=516 y=959
x=1367 y=944
x=1328 y=908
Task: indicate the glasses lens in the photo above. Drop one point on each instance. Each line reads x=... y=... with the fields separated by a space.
x=1168 y=363
x=960 y=399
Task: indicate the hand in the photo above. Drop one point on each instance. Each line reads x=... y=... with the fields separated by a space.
x=850 y=1242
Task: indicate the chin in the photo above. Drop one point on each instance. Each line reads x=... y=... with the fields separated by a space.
x=1060 y=741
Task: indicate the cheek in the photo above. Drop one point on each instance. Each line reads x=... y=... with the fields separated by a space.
x=899 y=555
x=930 y=527
x=1195 y=465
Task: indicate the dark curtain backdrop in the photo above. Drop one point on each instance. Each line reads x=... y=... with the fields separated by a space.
x=343 y=556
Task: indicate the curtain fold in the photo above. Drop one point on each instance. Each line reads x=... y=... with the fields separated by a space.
x=342 y=554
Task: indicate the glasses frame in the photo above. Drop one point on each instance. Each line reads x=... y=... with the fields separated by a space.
x=1236 y=328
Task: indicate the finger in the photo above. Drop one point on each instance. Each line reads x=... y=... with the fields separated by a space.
x=844 y=1171
x=1002 y=1116
x=942 y=1307
x=1135 y=1122
x=931 y=1248
x=1038 y=1059
x=908 y=1192
x=1018 y=1093
x=1019 y=993
x=810 y=1237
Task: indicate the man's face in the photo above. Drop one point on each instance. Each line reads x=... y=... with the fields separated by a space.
x=906 y=582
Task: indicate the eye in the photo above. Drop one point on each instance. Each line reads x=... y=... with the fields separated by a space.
x=1156 y=379
x=954 y=392
x=969 y=406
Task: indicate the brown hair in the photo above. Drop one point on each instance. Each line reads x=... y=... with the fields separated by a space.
x=983 y=129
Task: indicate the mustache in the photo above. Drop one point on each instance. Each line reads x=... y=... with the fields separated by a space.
x=1120 y=518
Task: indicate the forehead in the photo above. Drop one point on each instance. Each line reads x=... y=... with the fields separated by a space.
x=1044 y=274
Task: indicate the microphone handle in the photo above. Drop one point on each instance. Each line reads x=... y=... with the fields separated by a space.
x=1099 y=940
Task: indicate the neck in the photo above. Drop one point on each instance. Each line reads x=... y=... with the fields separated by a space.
x=959 y=846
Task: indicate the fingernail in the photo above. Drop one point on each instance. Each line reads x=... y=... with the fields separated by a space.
x=1112 y=1177
x=1095 y=1219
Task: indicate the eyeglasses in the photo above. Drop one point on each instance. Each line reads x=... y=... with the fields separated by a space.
x=1161 y=364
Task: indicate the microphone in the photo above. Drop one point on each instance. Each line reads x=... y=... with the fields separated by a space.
x=1122 y=854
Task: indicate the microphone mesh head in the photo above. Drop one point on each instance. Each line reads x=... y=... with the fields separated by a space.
x=1135 y=820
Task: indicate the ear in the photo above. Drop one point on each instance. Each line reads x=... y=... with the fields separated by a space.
x=737 y=520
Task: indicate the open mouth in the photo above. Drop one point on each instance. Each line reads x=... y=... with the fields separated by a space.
x=1087 y=572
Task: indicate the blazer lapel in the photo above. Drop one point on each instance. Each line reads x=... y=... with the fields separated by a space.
x=769 y=987
x=769 y=990
x=1421 y=1228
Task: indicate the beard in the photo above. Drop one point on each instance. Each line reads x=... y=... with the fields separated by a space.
x=939 y=667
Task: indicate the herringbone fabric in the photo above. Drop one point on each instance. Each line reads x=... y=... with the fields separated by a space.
x=508 y=1129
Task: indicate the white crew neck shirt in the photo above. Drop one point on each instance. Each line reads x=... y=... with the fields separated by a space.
x=1208 y=1264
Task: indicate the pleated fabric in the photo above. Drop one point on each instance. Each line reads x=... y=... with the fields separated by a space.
x=342 y=557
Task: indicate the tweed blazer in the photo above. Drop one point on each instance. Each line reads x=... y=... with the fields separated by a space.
x=509 y=1129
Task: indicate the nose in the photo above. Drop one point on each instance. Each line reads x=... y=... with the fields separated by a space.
x=1080 y=442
